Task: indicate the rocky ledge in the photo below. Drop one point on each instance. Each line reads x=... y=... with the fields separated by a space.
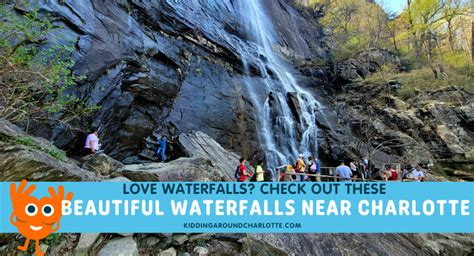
x=206 y=160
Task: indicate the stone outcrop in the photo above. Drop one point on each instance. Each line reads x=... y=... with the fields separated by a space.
x=206 y=160
x=370 y=244
x=35 y=159
x=86 y=244
x=101 y=164
x=120 y=246
x=435 y=126
x=364 y=63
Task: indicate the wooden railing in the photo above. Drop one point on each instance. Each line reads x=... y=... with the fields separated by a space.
x=327 y=174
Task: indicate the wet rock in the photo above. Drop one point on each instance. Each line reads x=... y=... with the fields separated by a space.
x=120 y=246
x=144 y=62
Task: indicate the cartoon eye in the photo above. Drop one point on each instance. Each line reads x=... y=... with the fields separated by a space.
x=47 y=210
x=31 y=209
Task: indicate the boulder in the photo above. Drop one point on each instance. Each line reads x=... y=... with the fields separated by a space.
x=199 y=144
x=125 y=246
x=168 y=252
x=200 y=251
x=364 y=63
x=101 y=164
x=451 y=139
x=86 y=243
x=207 y=161
x=27 y=157
x=182 y=169
x=179 y=239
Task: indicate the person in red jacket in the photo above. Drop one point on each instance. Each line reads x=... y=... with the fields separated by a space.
x=243 y=171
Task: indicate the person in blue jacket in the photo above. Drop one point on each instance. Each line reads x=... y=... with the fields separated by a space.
x=161 y=151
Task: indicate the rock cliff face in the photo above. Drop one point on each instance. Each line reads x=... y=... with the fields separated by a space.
x=166 y=67
x=35 y=159
x=436 y=124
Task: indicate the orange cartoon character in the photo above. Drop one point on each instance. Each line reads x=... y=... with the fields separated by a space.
x=36 y=219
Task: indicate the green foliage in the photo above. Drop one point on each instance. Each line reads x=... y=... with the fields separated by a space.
x=382 y=77
x=35 y=70
x=58 y=154
x=355 y=25
x=53 y=239
x=421 y=80
x=26 y=141
x=425 y=34
x=29 y=142
x=200 y=242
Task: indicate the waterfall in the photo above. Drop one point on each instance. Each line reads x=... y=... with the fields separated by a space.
x=286 y=113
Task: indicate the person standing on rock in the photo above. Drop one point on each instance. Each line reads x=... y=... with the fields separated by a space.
x=161 y=151
x=92 y=142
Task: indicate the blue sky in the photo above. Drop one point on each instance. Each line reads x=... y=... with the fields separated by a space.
x=393 y=5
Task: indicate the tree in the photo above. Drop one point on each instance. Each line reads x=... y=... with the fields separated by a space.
x=354 y=25
x=453 y=10
x=35 y=72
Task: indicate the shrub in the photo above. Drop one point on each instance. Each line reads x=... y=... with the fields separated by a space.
x=29 y=142
x=35 y=71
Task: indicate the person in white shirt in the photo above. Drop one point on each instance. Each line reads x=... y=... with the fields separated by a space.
x=417 y=173
x=92 y=142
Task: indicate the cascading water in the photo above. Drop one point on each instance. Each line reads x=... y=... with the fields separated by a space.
x=287 y=113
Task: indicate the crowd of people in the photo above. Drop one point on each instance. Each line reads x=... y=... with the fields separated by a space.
x=309 y=170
